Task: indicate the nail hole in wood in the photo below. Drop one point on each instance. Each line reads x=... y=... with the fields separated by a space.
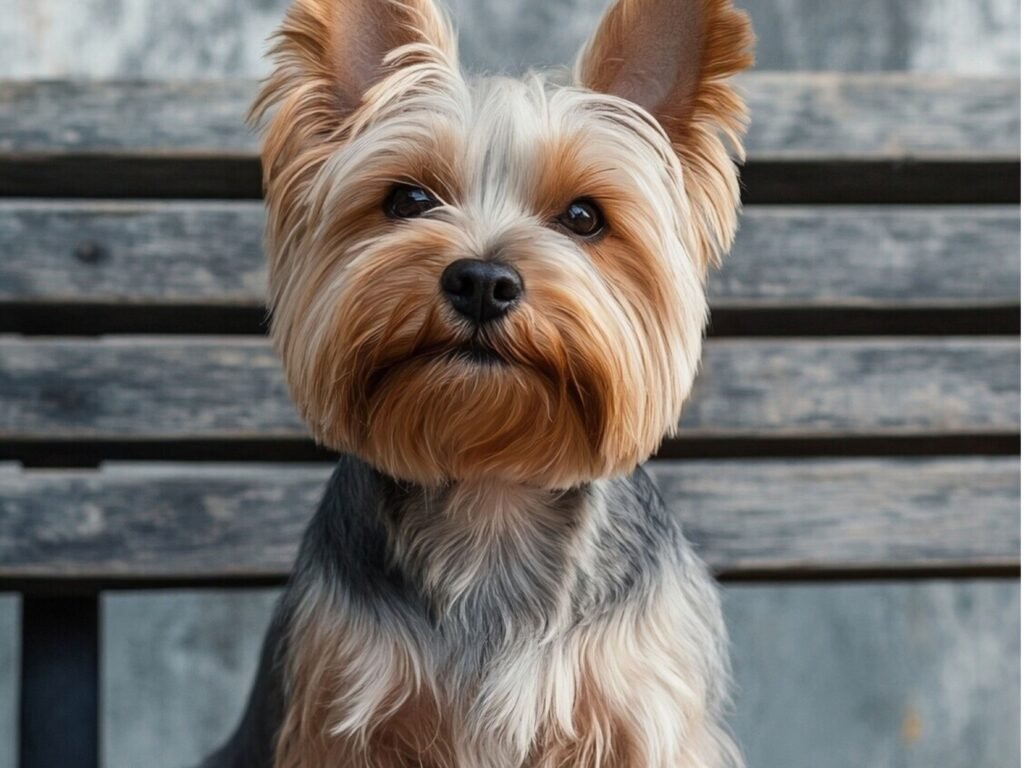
x=88 y=252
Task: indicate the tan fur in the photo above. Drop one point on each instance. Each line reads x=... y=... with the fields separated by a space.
x=334 y=670
x=625 y=691
x=600 y=360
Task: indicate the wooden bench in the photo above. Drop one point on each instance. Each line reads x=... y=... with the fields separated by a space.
x=857 y=415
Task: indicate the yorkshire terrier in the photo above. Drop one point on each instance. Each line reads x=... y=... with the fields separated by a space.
x=489 y=295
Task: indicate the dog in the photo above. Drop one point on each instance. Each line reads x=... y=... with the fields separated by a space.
x=488 y=296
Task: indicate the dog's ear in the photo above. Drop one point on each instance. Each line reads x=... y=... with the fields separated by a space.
x=329 y=54
x=673 y=58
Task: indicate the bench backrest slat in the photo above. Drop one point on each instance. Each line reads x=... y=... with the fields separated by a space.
x=210 y=254
x=195 y=524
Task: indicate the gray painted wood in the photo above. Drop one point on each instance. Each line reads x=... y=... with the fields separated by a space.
x=847 y=514
x=9 y=657
x=168 y=253
x=210 y=253
x=157 y=520
x=826 y=115
x=881 y=116
x=888 y=675
x=225 y=38
x=164 y=388
x=841 y=387
x=161 y=117
x=872 y=256
x=766 y=516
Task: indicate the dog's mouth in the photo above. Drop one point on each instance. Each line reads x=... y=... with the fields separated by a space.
x=477 y=352
x=473 y=352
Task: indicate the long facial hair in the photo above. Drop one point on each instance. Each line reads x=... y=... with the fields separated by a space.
x=589 y=372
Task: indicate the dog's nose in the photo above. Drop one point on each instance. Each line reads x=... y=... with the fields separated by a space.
x=481 y=290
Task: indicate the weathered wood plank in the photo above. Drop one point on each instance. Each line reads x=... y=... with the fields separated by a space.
x=872 y=256
x=175 y=388
x=167 y=253
x=834 y=387
x=881 y=116
x=203 y=253
x=887 y=116
x=141 y=117
x=839 y=514
x=212 y=388
x=203 y=522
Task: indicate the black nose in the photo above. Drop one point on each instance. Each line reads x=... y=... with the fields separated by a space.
x=481 y=290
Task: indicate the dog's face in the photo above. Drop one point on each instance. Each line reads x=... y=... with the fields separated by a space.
x=497 y=278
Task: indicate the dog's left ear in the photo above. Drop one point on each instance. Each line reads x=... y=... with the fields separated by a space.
x=673 y=58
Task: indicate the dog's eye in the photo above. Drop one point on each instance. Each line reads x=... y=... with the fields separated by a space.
x=582 y=217
x=407 y=202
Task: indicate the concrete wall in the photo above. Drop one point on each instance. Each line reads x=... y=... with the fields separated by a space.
x=887 y=675
x=900 y=675
x=225 y=38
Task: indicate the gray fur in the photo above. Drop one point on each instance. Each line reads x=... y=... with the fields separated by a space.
x=350 y=546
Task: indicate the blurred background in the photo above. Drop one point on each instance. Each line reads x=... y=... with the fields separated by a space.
x=225 y=38
x=919 y=673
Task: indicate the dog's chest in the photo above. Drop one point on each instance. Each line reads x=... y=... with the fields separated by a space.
x=458 y=667
x=499 y=634
x=487 y=562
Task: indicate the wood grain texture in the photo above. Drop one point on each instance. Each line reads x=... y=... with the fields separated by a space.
x=881 y=116
x=196 y=522
x=847 y=514
x=210 y=253
x=888 y=116
x=816 y=138
x=142 y=117
x=225 y=38
x=128 y=252
x=175 y=388
x=872 y=256
x=842 y=387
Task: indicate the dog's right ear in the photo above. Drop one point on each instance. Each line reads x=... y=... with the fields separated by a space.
x=329 y=53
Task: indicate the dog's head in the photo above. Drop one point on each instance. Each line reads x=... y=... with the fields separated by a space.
x=497 y=278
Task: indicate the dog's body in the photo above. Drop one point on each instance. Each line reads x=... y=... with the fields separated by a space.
x=582 y=632
x=490 y=295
